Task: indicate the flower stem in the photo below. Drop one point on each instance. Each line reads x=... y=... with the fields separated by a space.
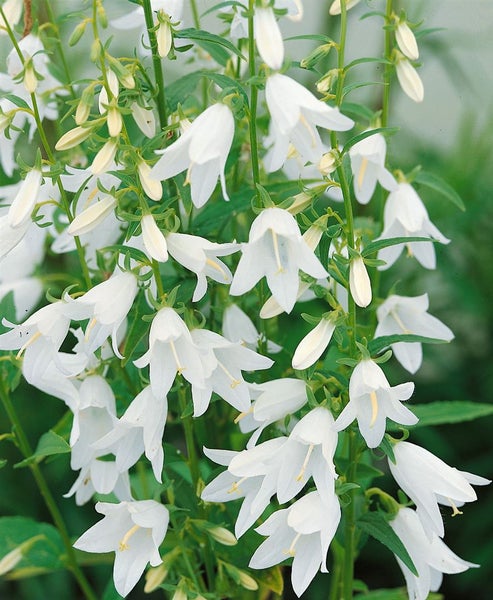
x=63 y=58
x=156 y=64
x=26 y=450
x=253 y=98
x=387 y=73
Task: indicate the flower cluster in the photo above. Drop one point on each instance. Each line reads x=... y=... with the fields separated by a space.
x=197 y=213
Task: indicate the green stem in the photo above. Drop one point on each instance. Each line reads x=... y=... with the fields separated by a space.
x=195 y=14
x=387 y=73
x=156 y=65
x=253 y=97
x=61 y=52
x=26 y=450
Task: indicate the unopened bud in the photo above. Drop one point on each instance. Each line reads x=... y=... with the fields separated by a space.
x=409 y=80
x=73 y=138
x=313 y=235
x=13 y=558
x=95 y=50
x=155 y=577
x=5 y=121
x=325 y=83
x=328 y=163
x=359 y=282
x=103 y=19
x=335 y=7
x=247 y=582
x=223 y=536
x=154 y=240
x=314 y=57
x=30 y=80
x=114 y=121
x=84 y=107
x=104 y=158
x=406 y=41
x=123 y=74
x=77 y=33
x=179 y=595
x=152 y=187
x=299 y=203
x=90 y=218
x=144 y=118
x=164 y=35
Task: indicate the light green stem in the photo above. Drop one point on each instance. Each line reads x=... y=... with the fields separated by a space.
x=253 y=98
x=26 y=450
x=387 y=73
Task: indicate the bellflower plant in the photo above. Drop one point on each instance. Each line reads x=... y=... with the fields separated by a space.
x=208 y=365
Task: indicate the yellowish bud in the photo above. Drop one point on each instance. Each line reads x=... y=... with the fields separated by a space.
x=223 y=536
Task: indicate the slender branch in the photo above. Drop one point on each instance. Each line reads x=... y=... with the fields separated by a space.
x=387 y=73
x=253 y=98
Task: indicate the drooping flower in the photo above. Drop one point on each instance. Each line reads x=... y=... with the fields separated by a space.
x=406 y=40
x=154 y=239
x=311 y=347
x=295 y=114
x=428 y=481
x=276 y=250
x=402 y=315
x=12 y=9
x=268 y=37
x=335 y=7
x=430 y=555
x=201 y=257
x=134 y=532
x=368 y=167
x=372 y=400
x=405 y=216
x=409 y=79
x=226 y=360
x=24 y=202
x=238 y=327
x=202 y=150
x=303 y=531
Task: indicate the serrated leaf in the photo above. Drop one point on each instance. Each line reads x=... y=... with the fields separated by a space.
x=49 y=444
x=378 y=344
x=442 y=187
x=43 y=556
x=379 y=244
x=362 y=136
x=375 y=524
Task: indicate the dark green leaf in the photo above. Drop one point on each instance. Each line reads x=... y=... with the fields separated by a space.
x=16 y=100
x=359 y=61
x=378 y=344
x=357 y=110
x=49 y=444
x=210 y=39
x=379 y=244
x=442 y=187
x=376 y=525
x=362 y=136
x=440 y=413
x=138 y=328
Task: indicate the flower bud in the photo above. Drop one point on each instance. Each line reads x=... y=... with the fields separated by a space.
x=114 y=121
x=104 y=158
x=30 y=80
x=73 y=138
x=312 y=346
x=328 y=163
x=359 y=282
x=152 y=187
x=325 y=83
x=335 y=8
x=154 y=240
x=179 y=595
x=223 y=536
x=144 y=118
x=313 y=235
x=164 y=35
x=5 y=121
x=13 y=558
x=406 y=41
x=409 y=80
x=155 y=577
x=247 y=582
x=77 y=33
x=314 y=57
x=24 y=202
x=91 y=217
x=300 y=202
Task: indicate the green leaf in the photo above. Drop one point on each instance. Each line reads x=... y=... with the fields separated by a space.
x=222 y=5
x=49 y=444
x=16 y=100
x=442 y=187
x=376 y=525
x=357 y=110
x=378 y=344
x=3 y=462
x=208 y=40
x=362 y=136
x=448 y=412
x=138 y=328
x=311 y=36
x=271 y=578
x=43 y=556
x=359 y=61
x=395 y=594
x=354 y=86
x=379 y=244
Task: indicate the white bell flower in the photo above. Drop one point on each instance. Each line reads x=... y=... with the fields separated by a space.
x=430 y=555
x=256 y=488
x=303 y=531
x=428 y=481
x=276 y=250
x=409 y=80
x=268 y=37
x=134 y=531
x=201 y=257
x=202 y=150
x=154 y=239
x=140 y=429
x=368 y=167
x=312 y=346
x=335 y=7
x=225 y=362
x=24 y=202
x=274 y=401
x=372 y=400
x=406 y=216
x=403 y=315
x=12 y=9
x=171 y=351
x=238 y=327
x=295 y=114
x=406 y=40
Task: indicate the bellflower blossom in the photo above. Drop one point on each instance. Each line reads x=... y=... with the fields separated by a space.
x=276 y=250
x=372 y=400
x=403 y=315
x=428 y=481
x=303 y=531
x=295 y=114
x=405 y=216
x=268 y=37
x=430 y=555
x=202 y=150
x=134 y=532
x=312 y=346
x=238 y=327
